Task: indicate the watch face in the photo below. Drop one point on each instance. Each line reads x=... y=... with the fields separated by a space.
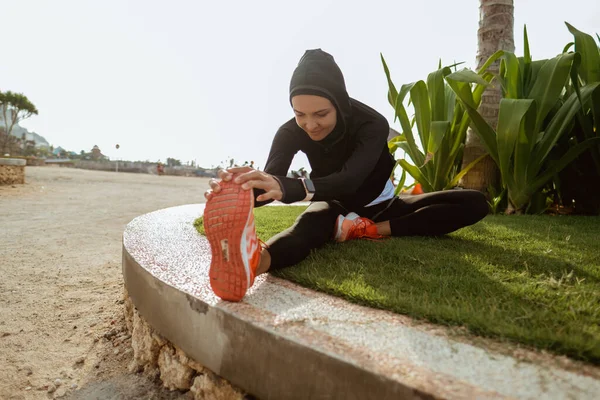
x=310 y=186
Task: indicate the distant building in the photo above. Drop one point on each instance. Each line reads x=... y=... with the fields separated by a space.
x=97 y=154
x=57 y=151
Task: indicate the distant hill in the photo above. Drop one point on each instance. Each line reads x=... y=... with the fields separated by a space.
x=18 y=131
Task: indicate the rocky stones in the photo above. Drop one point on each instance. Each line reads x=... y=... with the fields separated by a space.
x=128 y=309
x=174 y=372
x=145 y=343
x=12 y=174
x=210 y=386
x=154 y=356
x=196 y=366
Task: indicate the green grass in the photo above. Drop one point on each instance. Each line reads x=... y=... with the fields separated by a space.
x=533 y=280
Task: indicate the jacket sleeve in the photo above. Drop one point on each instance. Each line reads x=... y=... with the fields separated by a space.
x=370 y=139
x=283 y=149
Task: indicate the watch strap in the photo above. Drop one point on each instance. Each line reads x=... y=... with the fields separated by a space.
x=309 y=193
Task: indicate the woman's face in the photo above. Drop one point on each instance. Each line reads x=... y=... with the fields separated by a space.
x=316 y=115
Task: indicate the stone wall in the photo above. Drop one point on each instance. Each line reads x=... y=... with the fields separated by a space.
x=154 y=355
x=12 y=174
x=124 y=166
x=36 y=162
x=144 y=168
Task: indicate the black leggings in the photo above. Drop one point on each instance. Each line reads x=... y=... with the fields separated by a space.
x=429 y=214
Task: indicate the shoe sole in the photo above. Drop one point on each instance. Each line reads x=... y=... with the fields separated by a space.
x=225 y=219
x=339 y=222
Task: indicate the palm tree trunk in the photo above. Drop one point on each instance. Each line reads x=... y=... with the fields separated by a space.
x=496 y=21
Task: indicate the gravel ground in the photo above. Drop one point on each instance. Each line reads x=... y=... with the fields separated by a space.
x=62 y=330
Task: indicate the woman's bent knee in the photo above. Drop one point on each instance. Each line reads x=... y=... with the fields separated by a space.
x=477 y=204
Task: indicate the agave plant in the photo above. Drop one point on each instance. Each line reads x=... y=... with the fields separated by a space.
x=579 y=183
x=441 y=125
x=523 y=139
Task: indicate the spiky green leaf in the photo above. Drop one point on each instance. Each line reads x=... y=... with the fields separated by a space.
x=590 y=54
x=392 y=92
x=550 y=82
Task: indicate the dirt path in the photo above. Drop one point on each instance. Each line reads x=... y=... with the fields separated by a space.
x=61 y=325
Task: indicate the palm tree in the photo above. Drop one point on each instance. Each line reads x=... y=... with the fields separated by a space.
x=496 y=21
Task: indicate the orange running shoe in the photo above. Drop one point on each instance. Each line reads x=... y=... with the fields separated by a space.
x=229 y=227
x=418 y=189
x=353 y=226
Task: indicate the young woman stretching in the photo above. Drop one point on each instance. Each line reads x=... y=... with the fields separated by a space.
x=350 y=189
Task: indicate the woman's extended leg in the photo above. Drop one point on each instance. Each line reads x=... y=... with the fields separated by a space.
x=312 y=229
x=433 y=214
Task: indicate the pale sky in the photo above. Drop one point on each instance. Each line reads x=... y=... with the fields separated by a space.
x=203 y=80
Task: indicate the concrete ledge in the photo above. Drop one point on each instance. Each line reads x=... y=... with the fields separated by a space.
x=19 y=162
x=287 y=342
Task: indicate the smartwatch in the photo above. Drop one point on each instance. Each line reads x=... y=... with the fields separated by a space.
x=309 y=188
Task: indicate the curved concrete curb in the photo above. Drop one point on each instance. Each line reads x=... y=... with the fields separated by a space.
x=286 y=342
x=18 y=162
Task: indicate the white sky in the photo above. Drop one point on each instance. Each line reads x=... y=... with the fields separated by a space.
x=203 y=80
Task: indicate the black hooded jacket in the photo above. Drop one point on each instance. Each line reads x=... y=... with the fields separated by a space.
x=353 y=163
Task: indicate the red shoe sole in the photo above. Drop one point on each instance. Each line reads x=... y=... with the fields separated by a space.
x=225 y=217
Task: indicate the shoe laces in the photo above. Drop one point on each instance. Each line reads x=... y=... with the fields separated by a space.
x=359 y=231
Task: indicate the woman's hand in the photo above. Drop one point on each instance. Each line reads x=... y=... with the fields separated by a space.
x=249 y=179
x=223 y=175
